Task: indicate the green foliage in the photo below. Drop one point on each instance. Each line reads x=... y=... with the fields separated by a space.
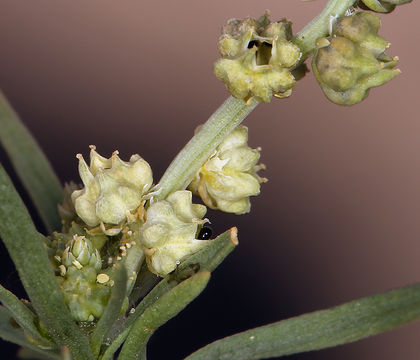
x=26 y=248
x=89 y=293
x=31 y=165
x=162 y=310
x=10 y=331
x=207 y=258
x=319 y=330
x=24 y=317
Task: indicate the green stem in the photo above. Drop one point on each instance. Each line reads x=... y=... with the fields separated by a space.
x=319 y=26
x=164 y=309
x=112 y=310
x=186 y=164
x=132 y=264
x=233 y=111
x=207 y=258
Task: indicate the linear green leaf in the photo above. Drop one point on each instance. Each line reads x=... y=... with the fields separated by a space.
x=16 y=335
x=25 y=353
x=145 y=282
x=321 y=329
x=164 y=309
x=31 y=165
x=211 y=256
x=22 y=314
x=207 y=258
x=26 y=248
x=112 y=310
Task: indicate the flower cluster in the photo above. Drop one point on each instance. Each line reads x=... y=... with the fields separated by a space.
x=170 y=231
x=352 y=60
x=229 y=177
x=112 y=187
x=118 y=217
x=78 y=265
x=115 y=219
x=257 y=58
x=382 y=6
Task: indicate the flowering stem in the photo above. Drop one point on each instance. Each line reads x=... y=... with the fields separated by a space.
x=233 y=111
x=186 y=164
x=207 y=258
x=320 y=26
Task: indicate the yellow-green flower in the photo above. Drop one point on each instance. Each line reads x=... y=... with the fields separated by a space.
x=352 y=59
x=382 y=6
x=169 y=234
x=229 y=177
x=257 y=58
x=112 y=188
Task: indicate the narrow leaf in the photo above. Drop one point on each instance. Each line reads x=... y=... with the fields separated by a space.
x=112 y=310
x=15 y=335
x=31 y=165
x=26 y=248
x=145 y=282
x=319 y=330
x=22 y=314
x=164 y=309
x=211 y=256
x=25 y=353
x=207 y=258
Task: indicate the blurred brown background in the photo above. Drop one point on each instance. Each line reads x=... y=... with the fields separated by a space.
x=339 y=218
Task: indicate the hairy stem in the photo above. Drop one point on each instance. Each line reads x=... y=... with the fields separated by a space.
x=186 y=164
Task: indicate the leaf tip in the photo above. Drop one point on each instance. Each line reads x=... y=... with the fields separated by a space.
x=234 y=236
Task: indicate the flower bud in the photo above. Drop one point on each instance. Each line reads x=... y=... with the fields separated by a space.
x=84 y=296
x=81 y=253
x=352 y=60
x=112 y=187
x=257 y=58
x=169 y=234
x=78 y=266
x=382 y=6
x=229 y=177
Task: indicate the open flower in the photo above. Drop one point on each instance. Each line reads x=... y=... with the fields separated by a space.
x=352 y=59
x=169 y=234
x=229 y=177
x=257 y=58
x=112 y=187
